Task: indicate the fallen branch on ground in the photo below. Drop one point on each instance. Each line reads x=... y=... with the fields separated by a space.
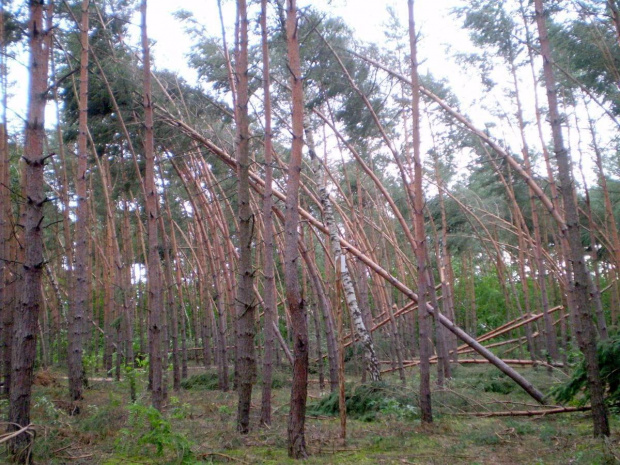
x=527 y=413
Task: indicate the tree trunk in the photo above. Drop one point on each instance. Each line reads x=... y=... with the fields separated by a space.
x=245 y=303
x=154 y=270
x=362 y=333
x=6 y=215
x=297 y=311
x=77 y=318
x=180 y=301
x=324 y=304
x=269 y=283
x=420 y=234
x=27 y=313
x=580 y=278
x=129 y=302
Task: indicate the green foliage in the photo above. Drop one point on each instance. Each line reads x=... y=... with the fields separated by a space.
x=105 y=420
x=130 y=377
x=148 y=429
x=574 y=390
x=590 y=53
x=208 y=381
x=48 y=410
x=279 y=379
x=366 y=401
x=499 y=386
x=482 y=437
x=180 y=410
x=495 y=382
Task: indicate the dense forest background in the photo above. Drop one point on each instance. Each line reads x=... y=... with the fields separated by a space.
x=313 y=207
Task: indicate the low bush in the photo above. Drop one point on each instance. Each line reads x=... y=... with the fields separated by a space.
x=575 y=390
x=208 y=381
x=148 y=430
x=366 y=401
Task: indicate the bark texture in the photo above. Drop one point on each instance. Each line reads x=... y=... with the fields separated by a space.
x=27 y=312
x=269 y=281
x=77 y=318
x=361 y=332
x=297 y=311
x=420 y=234
x=154 y=282
x=245 y=303
x=580 y=277
x=6 y=216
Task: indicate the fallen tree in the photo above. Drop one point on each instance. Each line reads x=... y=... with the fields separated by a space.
x=258 y=184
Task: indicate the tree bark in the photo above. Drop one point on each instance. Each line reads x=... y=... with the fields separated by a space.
x=362 y=333
x=324 y=304
x=269 y=283
x=580 y=278
x=245 y=303
x=420 y=234
x=297 y=311
x=154 y=270
x=27 y=312
x=6 y=215
x=77 y=318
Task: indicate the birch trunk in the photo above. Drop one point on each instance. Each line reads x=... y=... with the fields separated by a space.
x=361 y=332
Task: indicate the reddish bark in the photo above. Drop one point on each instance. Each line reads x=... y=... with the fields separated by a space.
x=297 y=312
x=154 y=270
x=27 y=312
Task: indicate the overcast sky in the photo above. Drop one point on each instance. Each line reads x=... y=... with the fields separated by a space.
x=367 y=18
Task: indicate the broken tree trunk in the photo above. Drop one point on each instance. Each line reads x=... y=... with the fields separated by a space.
x=257 y=184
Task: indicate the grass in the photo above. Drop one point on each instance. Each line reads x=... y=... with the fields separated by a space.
x=198 y=426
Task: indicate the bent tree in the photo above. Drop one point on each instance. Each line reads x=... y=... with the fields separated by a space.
x=580 y=283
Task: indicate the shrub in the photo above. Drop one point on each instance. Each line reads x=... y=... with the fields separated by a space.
x=364 y=402
x=208 y=381
x=148 y=429
x=608 y=353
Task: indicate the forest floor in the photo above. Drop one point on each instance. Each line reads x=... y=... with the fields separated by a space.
x=198 y=426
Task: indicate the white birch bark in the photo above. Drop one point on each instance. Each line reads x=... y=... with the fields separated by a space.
x=362 y=333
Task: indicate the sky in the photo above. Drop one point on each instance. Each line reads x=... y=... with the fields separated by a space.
x=442 y=36
x=367 y=18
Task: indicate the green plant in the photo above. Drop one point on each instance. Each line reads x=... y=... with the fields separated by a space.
x=90 y=362
x=180 y=410
x=208 y=381
x=105 y=420
x=364 y=402
x=130 y=376
x=225 y=412
x=499 y=385
x=48 y=409
x=151 y=429
x=608 y=353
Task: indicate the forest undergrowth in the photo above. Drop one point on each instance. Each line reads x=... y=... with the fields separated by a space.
x=383 y=425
